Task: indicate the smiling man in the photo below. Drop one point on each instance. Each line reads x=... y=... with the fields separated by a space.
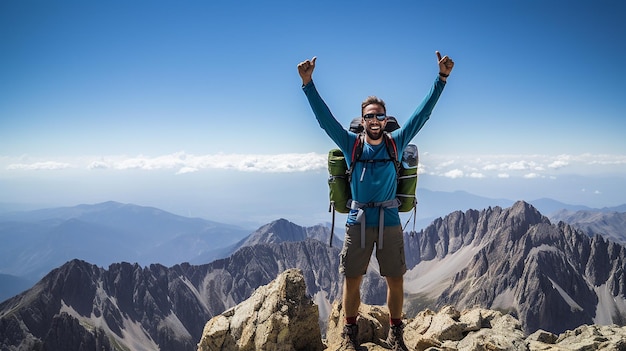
x=373 y=218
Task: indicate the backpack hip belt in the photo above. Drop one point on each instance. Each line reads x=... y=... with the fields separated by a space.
x=360 y=217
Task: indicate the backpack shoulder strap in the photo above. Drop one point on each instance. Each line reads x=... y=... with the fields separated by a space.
x=392 y=149
x=357 y=151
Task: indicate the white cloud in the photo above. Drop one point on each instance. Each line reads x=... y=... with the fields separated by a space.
x=518 y=165
x=557 y=164
x=47 y=165
x=187 y=170
x=491 y=167
x=445 y=164
x=605 y=159
x=455 y=173
x=449 y=166
x=476 y=175
x=523 y=166
x=532 y=175
x=98 y=165
x=185 y=163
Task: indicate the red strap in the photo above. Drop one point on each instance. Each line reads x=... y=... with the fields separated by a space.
x=354 y=148
x=389 y=139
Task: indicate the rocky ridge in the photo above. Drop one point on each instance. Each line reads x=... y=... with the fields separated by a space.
x=149 y=308
x=280 y=316
x=548 y=276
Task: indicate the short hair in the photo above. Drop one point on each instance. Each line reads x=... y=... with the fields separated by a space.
x=372 y=100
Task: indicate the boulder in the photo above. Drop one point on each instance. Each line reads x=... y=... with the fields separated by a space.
x=278 y=316
x=448 y=329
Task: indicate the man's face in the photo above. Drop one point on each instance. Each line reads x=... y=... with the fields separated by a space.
x=373 y=126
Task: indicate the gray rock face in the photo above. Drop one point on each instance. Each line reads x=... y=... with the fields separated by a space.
x=551 y=277
x=66 y=333
x=278 y=316
x=155 y=307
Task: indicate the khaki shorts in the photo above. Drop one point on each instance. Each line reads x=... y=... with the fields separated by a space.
x=354 y=259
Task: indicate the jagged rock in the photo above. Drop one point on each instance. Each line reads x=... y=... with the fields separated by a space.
x=270 y=315
x=586 y=337
x=66 y=333
x=475 y=329
x=448 y=329
x=550 y=277
x=278 y=316
x=373 y=324
x=543 y=336
x=155 y=307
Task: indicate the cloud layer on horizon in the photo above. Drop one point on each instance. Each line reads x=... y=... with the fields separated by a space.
x=449 y=166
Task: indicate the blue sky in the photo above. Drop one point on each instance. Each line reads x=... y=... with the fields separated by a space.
x=196 y=106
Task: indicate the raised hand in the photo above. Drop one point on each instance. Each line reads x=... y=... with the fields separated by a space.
x=445 y=64
x=305 y=69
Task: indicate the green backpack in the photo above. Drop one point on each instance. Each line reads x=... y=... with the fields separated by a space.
x=340 y=175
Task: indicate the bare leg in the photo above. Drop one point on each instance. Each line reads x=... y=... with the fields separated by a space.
x=352 y=296
x=395 y=296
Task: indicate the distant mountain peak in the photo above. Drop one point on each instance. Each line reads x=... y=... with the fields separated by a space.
x=282 y=230
x=525 y=210
x=550 y=276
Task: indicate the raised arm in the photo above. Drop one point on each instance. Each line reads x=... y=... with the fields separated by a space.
x=325 y=118
x=422 y=113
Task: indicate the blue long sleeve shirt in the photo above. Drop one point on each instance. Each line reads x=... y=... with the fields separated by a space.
x=373 y=181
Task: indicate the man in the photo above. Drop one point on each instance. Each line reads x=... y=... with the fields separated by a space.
x=373 y=186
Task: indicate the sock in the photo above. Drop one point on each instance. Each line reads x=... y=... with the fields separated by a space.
x=350 y=320
x=395 y=321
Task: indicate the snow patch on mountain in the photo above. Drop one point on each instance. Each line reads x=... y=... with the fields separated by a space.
x=570 y=301
x=433 y=276
x=133 y=334
x=609 y=306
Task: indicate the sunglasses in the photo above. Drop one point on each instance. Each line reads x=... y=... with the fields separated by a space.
x=379 y=116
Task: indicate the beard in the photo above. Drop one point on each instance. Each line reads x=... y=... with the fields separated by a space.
x=374 y=135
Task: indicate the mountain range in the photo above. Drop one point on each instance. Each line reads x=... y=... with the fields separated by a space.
x=550 y=276
x=609 y=223
x=34 y=242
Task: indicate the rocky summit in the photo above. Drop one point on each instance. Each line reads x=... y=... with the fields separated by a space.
x=280 y=316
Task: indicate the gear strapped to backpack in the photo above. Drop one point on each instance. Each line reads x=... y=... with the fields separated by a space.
x=340 y=175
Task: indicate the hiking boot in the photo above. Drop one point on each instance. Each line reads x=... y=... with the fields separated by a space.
x=395 y=338
x=349 y=334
